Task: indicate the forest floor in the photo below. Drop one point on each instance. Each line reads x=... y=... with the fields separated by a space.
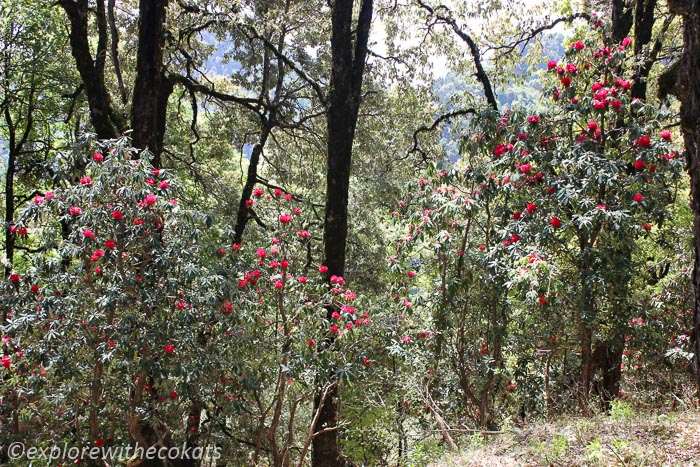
x=625 y=439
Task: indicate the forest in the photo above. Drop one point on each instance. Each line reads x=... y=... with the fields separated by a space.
x=350 y=232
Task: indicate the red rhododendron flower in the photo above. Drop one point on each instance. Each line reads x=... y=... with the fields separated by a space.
x=323 y=269
x=87 y=233
x=638 y=198
x=533 y=119
x=556 y=222
x=258 y=192
x=155 y=171
x=75 y=211
x=515 y=238
x=639 y=164
x=531 y=207
x=38 y=199
x=164 y=185
x=14 y=278
x=278 y=192
x=85 y=181
x=302 y=279
x=169 y=348
x=646 y=227
x=516 y=215
x=249 y=202
x=98 y=157
x=367 y=362
x=411 y=274
x=6 y=361
x=117 y=215
x=150 y=199
x=578 y=45
x=592 y=126
x=643 y=141
x=285 y=218
x=34 y=288
x=551 y=65
x=565 y=81
x=543 y=300
x=405 y=340
x=279 y=285
x=626 y=41
x=334 y=329
x=49 y=195
x=666 y=134
x=173 y=395
x=525 y=168
x=261 y=253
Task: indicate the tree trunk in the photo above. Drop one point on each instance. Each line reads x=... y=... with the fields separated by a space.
x=10 y=197
x=689 y=95
x=251 y=180
x=344 y=105
x=621 y=20
x=151 y=87
x=106 y=122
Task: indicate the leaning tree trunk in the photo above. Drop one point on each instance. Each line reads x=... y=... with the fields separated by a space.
x=344 y=104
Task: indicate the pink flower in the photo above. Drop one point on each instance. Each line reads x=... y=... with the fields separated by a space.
x=638 y=198
x=626 y=41
x=302 y=279
x=578 y=45
x=155 y=172
x=258 y=192
x=551 y=65
x=85 y=181
x=261 y=253
x=279 y=285
x=285 y=218
x=14 y=278
x=334 y=329
x=278 y=192
x=38 y=199
x=531 y=207
x=323 y=269
x=533 y=119
x=303 y=233
x=297 y=211
x=666 y=134
x=164 y=185
x=249 y=202
x=75 y=211
x=525 y=168
x=6 y=361
x=517 y=215
x=117 y=215
x=515 y=238
x=98 y=157
x=150 y=199
x=49 y=195
x=87 y=233
x=411 y=274
x=405 y=340
x=109 y=244
x=592 y=126
x=565 y=81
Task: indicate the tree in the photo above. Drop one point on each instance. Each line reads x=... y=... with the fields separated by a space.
x=348 y=65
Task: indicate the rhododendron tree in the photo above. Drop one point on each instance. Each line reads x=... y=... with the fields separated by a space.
x=532 y=236
x=131 y=319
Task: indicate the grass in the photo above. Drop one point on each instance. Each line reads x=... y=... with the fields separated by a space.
x=624 y=438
